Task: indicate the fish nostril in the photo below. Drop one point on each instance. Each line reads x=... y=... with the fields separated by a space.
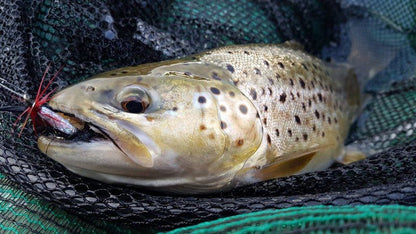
x=90 y=89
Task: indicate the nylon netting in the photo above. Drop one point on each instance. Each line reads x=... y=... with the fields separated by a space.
x=89 y=37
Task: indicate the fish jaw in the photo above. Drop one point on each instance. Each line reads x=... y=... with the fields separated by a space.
x=96 y=155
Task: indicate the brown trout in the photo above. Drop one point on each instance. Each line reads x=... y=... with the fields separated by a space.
x=226 y=117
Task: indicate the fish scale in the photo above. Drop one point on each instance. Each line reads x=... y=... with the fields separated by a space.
x=226 y=117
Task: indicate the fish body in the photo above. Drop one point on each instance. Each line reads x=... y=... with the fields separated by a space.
x=229 y=116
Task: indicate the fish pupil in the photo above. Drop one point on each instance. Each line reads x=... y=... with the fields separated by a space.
x=133 y=106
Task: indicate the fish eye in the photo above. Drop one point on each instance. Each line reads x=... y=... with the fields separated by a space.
x=133 y=99
x=134 y=105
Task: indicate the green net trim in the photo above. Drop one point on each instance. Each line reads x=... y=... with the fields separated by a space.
x=317 y=219
x=21 y=212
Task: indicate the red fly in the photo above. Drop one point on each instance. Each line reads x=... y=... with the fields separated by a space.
x=39 y=113
x=40 y=99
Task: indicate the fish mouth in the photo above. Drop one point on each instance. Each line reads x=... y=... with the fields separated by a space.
x=84 y=131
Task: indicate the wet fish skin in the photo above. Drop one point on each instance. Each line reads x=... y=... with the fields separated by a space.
x=226 y=117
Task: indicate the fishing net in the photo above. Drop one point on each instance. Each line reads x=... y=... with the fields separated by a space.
x=89 y=37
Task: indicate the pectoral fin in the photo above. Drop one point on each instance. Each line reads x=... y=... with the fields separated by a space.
x=314 y=158
x=284 y=168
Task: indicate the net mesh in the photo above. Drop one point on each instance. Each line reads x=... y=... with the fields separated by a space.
x=89 y=37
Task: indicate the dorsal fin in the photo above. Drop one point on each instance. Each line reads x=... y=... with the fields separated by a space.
x=293 y=45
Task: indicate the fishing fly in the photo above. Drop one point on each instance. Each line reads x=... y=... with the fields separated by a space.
x=37 y=111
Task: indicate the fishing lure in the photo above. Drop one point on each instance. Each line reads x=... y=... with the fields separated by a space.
x=37 y=111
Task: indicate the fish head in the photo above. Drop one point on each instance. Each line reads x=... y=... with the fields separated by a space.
x=138 y=129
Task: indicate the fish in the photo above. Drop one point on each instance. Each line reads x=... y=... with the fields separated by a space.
x=208 y=122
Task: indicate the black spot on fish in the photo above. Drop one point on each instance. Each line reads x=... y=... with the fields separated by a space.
x=291 y=95
x=246 y=52
x=298 y=94
x=314 y=128
x=336 y=120
x=257 y=115
x=232 y=94
x=305 y=67
x=253 y=94
x=281 y=65
x=243 y=109
x=202 y=99
x=266 y=63
x=271 y=81
x=291 y=82
x=266 y=108
x=277 y=76
x=289 y=131
x=269 y=140
x=303 y=106
x=124 y=72
x=317 y=114
x=302 y=83
x=222 y=108
x=230 y=52
x=215 y=90
x=223 y=125
x=230 y=68
x=329 y=120
x=297 y=139
x=313 y=84
x=305 y=137
x=265 y=121
x=320 y=97
x=215 y=76
x=323 y=134
x=277 y=132
x=175 y=108
x=297 y=119
x=187 y=73
x=282 y=97
x=309 y=102
x=270 y=91
x=263 y=91
x=257 y=71
x=202 y=127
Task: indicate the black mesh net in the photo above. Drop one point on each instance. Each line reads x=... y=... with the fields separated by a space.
x=89 y=37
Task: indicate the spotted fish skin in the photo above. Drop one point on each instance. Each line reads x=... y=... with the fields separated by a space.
x=303 y=110
x=226 y=117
